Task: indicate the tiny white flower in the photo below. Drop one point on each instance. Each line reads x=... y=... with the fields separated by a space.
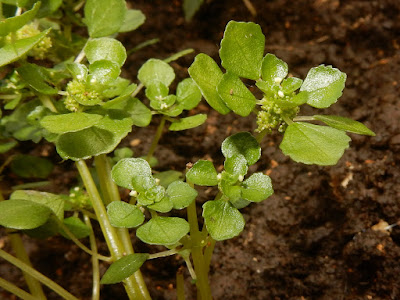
x=281 y=94
x=219 y=176
x=278 y=79
x=133 y=193
x=240 y=178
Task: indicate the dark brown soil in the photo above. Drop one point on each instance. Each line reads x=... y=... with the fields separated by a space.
x=314 y=238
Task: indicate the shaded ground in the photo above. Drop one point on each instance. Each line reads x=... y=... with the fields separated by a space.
x=313 y=238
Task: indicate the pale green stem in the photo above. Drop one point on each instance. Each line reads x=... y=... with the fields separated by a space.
x=12 y=288
x=156 y=139
x=261 y=135
x=110 y=234
x=202 y=283
x=180 y=286
x=46 y=101
x=80 y=245
x=37 y=275
x=95 y=261
x=303 y=118
x=111 y=193
x=163 y=254
x=138 y=89
x=250 y=7
x=16 y=243
x=178 y=55
x=287 y=120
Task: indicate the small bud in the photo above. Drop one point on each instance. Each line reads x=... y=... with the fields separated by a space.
x=240 y=178
x=163 y=106
x=76 y=188
x=281 y=94
x=219 y=176
x=133 y=193
x=93 y=80
x=72 y=195
x=157 y=181
x=278 y=79
x=79 y=77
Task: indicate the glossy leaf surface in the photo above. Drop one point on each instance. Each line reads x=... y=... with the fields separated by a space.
x=203 y=173
x=242 y=143
x=124 y=215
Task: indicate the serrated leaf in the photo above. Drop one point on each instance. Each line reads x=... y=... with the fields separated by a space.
x=189 y=122
x=155 y=70
x=52 y=201
x=242 y=143
x=14 y=23
x=99 y=139
x=23 y=214
x=223 y=221
x=12 y=52
x=236 y=95
x=273 y=71
x=123 y=268
x=124 y=215
x=163 y=231
x=181 y=194
x=203 y=173
x=28 y=166
x=105 y=49
x=323 y=86
x=236 y=165
x=207 y=75
x=242 y=49
x=104 y=17
x=71 y=122
x=133 y=19
x=79 y=229
x=313 y=144
x=188 y=95
x=257 y=187
x=127 y=169
x=345 y=124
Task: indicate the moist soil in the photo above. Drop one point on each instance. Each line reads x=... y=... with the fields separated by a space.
x=315 y=238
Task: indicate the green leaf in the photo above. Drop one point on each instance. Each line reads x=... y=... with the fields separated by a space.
x=28 y=166
x=207 y=75
x=167 y=177
x=273 y=71
x=157 y=91
x=236 y=165
x=23 y=214
x=12 y=52
x=189 y=122
x=203 y=173
x=236 y=95
x=104 y=17
x=188 y=94
x=242 y=143
x=239 y=203
x=133 y=19
x=7 y=145
x=323 y=86
x=156 y=70
x=79 y=229
x=313 y=144
x=345 y=124
x=163 y=231
x=103 y=72
x=242 y=49
x=123 y=268
x=71 y=122
x=124 y=215
x=78 y=71
x=257 y=187
x=105 y=49
x=127 y=169
x=164 y=206
x=223 y=221
x=181 y=194
x=52 y=201
x=289 y=85
x=99 y=139
x=14 y=23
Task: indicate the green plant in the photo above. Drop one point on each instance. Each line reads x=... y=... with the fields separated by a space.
x=83 y=106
